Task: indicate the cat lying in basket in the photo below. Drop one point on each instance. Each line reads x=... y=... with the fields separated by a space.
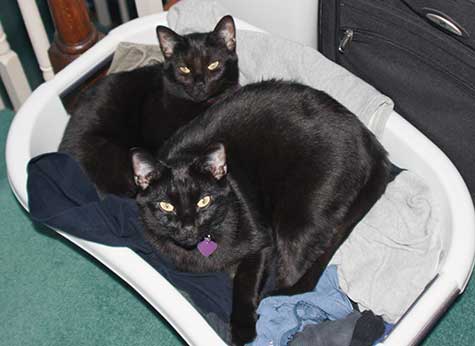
x=265 y=185
x=145 y=106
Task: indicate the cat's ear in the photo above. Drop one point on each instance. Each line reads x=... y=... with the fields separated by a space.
x=226 y=30
x=214 y=161
x=145 y=167
x=168 y=40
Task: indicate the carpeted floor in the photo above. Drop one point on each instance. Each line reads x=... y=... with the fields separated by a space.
x=52 y=293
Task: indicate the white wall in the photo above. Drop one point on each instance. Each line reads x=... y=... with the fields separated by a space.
x=292 y=19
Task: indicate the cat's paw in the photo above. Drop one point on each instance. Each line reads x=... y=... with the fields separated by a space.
x=242 y=333
x=243 y=326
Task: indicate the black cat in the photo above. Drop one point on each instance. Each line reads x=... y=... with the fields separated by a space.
x=145 y=106
x=265 y=184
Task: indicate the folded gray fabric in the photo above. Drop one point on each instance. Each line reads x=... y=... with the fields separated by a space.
x=129 y=56
x=395 y=251
x=328 y=333
x=262 y=56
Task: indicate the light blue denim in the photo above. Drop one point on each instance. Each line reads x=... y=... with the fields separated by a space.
x=281 y=317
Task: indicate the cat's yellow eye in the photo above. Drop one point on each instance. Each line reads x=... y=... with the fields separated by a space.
x=166 y=207
x=213 y=65
x=204 y=202
x=184 y=69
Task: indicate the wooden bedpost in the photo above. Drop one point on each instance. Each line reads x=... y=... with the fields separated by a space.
x=75 y=33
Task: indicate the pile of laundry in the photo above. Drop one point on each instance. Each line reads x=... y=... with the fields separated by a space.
x=324 y=317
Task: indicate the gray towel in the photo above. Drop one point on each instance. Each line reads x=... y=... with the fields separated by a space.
x=395 y=251
x=129 y=56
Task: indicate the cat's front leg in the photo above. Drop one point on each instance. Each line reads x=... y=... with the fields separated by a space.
x=248 y=283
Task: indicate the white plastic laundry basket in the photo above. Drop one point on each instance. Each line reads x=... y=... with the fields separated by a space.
x=38 y=127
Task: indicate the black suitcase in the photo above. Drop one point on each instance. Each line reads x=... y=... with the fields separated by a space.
x=421 y=53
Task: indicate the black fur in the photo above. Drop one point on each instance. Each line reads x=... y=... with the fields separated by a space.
x=145 y=106
x=290 y=172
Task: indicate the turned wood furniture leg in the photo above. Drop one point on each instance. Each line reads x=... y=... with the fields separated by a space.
x=37 y=34
x=12 y=74
x=75 y=33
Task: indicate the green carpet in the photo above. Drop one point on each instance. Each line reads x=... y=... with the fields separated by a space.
x=52 y=293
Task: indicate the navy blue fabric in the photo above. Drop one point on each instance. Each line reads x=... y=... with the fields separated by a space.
x=61 y=196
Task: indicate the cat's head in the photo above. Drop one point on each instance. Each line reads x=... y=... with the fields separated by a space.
x=183 y=200
x=200 y=66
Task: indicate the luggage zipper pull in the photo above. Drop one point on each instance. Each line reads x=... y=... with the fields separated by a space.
x=445 y=23
x=345 y=40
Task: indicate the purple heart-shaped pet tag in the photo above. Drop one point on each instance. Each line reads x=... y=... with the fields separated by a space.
x=207 y=247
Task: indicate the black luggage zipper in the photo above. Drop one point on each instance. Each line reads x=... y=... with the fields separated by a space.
x=409 y=25
x=345 y=40
x=358 y=35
